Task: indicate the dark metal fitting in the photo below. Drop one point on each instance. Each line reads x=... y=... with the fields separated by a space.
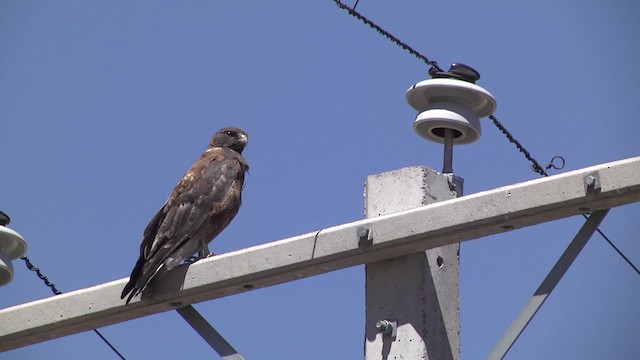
x=457 y=71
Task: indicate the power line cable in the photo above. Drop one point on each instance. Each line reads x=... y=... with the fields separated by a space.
x=616 y=249
x=536 y=167
x=55 y=290
x=383 y=32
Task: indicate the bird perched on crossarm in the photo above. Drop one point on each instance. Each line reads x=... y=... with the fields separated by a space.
x=202 y=204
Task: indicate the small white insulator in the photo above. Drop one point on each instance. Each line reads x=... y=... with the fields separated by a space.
x=12 y=246
x=446 y=103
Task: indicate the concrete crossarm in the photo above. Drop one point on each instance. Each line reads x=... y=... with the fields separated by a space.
x=466 y=218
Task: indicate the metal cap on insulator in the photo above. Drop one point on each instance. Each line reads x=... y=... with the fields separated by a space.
x=449 y=107
x=12 y=246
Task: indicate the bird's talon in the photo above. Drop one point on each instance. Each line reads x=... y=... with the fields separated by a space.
x=192 y=259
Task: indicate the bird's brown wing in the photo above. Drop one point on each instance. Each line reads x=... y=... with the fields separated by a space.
x=201 y=205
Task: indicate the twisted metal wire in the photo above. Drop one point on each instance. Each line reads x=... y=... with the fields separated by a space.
x=386 y=34
x=535 y=164
x=45 y=279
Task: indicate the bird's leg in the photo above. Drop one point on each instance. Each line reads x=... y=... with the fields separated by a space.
x=204 y=252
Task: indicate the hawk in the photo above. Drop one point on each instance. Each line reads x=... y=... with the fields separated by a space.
x=202 y=204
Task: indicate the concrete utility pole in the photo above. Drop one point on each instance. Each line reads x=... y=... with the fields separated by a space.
x=412 y=301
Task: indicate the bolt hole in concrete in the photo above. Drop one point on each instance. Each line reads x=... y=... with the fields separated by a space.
x=440 y=261
x=508 y=227
x=248 y=286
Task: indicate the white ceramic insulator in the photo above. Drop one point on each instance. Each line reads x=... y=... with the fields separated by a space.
x=449 y=104
x=12 y=246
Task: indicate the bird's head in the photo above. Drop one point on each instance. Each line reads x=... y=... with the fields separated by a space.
x=230 y=137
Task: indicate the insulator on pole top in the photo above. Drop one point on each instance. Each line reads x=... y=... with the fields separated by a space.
x=12 y=246
x=449 y=108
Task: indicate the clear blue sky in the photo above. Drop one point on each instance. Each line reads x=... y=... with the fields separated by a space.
x=104 y=105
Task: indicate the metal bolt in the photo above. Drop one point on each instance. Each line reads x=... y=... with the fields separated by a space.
x=365 y=237
x=387 y=327
x=591 y=182
x=363 y=233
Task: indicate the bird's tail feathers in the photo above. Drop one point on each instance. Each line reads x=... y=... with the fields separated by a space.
x=139 y=280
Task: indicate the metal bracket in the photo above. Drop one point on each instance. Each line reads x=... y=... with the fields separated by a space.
x=209 y=334
x=455 y=183
x=548 y=284
x=592 y=182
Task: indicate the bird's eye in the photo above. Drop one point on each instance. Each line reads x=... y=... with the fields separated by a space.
x=230 y=133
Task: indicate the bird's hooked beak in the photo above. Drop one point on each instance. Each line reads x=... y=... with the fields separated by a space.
x=243 y=139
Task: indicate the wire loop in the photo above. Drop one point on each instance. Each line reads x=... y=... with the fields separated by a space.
x=552 y=165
